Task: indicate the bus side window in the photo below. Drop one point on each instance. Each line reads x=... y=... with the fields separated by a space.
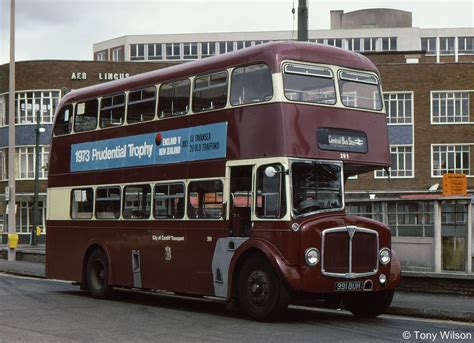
x=85 y=118
x=137 y=202
x=169 y=201
x=205 y=199
x=82 y=203
x=141 y=105
x=271 y=194
x=210 y=92
x=63 y=124
x=174 y=98
x=112 y=111
x=107 y=203
x=251 y=84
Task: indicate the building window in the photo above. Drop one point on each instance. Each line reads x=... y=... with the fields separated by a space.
x=25 y=162
x=3 y=110
x=117 y=54
x=399 y=107
x=411 y=219
x=353 y=44
x=173 y=51
x=243 y=44
x=226 y=47
x=101 y=56
x=402 y=163
x=446 y=45
x=190 y=51
x=30 y=104
x=429 y=45
x=389 y=43
x=466 y=45
x=208 y=49
x=335 y=42
x=155 y=51
x=372 y=210
x=450 y=107
x=370 y=44
x=3 y=164
x=24 y=216
x=450 y=159
x=137 y=52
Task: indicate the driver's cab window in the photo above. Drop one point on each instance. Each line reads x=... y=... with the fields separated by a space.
x=271 y=198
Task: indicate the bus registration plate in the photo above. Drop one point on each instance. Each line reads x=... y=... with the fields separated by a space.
x=349 y=286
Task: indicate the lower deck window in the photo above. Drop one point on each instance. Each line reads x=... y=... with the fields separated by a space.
x=82 y=203
x=107 y=203
x=137 y=202
x=205 y=199
x=169 y=201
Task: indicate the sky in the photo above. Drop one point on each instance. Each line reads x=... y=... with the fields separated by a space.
x=67 y=29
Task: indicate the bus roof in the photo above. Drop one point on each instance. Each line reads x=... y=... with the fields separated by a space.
x=271 y=53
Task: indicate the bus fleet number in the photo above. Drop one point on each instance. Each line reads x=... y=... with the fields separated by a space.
x=82 y=156
x=344 y=156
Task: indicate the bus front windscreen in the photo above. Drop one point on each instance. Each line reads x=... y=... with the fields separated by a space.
x=317 y=186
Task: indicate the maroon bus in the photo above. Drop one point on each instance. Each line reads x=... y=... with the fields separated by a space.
x=225 y=177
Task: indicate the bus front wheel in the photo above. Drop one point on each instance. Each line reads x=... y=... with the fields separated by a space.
x=369 y=305
x=262 y=295
x=97 y=275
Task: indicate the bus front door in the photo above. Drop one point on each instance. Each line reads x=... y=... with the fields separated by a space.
x=241 y=201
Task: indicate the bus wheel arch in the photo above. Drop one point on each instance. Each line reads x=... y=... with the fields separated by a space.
x=96 y=265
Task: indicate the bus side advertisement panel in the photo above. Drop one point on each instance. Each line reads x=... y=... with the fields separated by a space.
x=196 y=143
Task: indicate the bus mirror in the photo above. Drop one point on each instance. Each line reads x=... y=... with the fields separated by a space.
x=270 y=171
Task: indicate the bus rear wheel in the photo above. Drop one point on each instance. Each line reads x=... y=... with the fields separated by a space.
x=97 y=275
x=262 y=295
x=369 y=305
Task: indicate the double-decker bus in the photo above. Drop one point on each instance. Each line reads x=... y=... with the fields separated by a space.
x=224 y=177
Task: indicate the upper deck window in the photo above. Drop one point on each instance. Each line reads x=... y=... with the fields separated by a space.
x=360 y=90
x=86 y=116
x=141 y=105
x=63 y=124
x=174 y=98
x=309 y=84
x=251 y=84
x=112 y=111
x=210 y=92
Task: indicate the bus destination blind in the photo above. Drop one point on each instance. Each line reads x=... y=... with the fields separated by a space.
x=190 y=144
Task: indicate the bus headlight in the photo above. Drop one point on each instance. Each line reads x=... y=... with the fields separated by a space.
x=311 y=256
x=385 y=256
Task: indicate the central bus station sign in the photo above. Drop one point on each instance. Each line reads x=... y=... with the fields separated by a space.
x=189 y=144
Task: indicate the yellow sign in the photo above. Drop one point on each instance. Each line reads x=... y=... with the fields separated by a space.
x=454 y=184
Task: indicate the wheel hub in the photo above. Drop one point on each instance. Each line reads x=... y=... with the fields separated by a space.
x=258 y=287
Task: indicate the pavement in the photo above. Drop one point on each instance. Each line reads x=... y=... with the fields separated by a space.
x=432 y=305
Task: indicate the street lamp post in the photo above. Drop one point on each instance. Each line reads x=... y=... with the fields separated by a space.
x=36 y=221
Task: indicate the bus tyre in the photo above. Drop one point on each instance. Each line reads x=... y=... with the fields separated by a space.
x=97 y=275
x=369 y=305
x=262 y=295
